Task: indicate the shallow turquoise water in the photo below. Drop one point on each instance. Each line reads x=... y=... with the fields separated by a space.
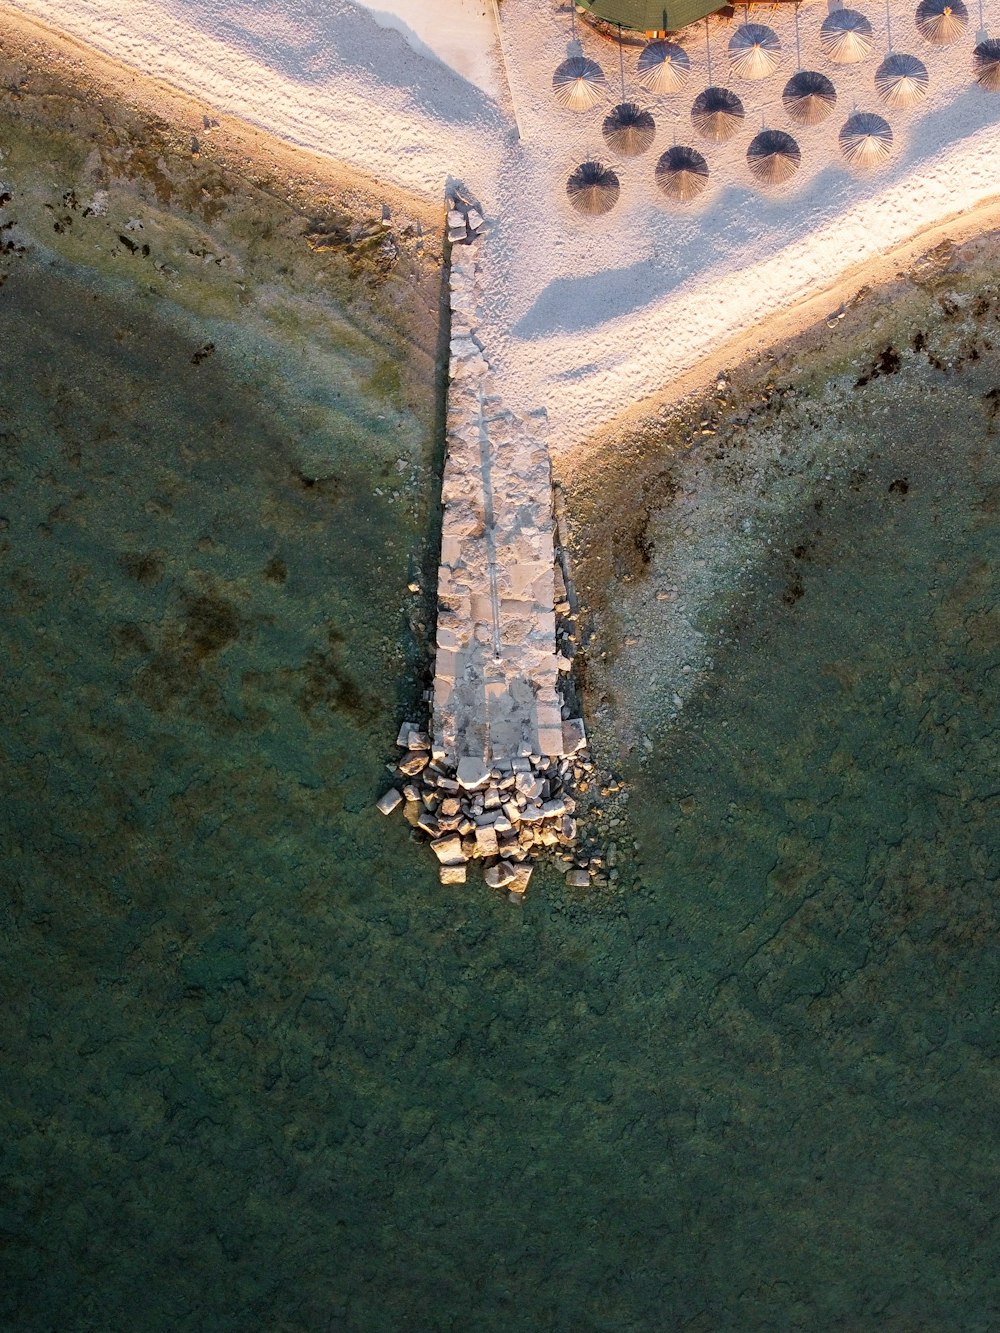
x=263 y=1072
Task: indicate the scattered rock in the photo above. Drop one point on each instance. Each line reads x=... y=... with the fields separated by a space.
x=472 y=774
x=486 y=841
x=574 y=735
x=390 y=801
x=522 y=877
x=501 y=814
x=414 y=762
x=578 y=878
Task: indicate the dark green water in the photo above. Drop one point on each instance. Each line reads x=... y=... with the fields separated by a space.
x=262 y=1072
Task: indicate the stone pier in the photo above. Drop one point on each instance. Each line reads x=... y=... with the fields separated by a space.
x=491 y=778
x=496 y=680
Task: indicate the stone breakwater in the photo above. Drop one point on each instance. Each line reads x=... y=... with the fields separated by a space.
x=492 y=778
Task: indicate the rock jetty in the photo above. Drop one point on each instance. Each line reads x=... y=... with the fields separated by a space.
x=492 y=777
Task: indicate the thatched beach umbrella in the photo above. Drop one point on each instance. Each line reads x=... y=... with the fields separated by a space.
x=579 y=83
x=941 y=22
x=866 y=140
x=773 y=157
x=628 y=129
x=846 y=36
x=682 y=173
x=809 y=97
x=663 y=67
x=753 y=51
x=901 y=81
x=717 y=114
x=593 y=188
x=986 y=64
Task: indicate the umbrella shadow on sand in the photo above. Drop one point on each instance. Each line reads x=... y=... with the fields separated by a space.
x=576 y=304
x=570 y=305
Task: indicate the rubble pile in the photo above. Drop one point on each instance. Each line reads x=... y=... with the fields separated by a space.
x=502 y=815
x=465 y=221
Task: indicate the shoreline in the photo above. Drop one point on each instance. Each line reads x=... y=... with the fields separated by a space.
x=598 y=322
x=647 y=431
x=680 y=521
x=307 y=178
x=398 y=120
x=804 y=323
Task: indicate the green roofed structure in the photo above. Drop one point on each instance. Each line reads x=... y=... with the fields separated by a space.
x=652 y=17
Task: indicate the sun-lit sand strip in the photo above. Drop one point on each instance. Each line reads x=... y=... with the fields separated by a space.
x=326 y=77
x=595 y=372
x=459 y=34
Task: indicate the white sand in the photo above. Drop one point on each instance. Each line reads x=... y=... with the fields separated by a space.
x=459 y=34
x=584 y=317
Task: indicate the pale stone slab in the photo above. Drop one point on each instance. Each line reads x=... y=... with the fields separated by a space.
x=486 y=840
x=522 y=877
x=550 y=742
x=500 y=875
x=472 y=773
x=574 y=735
x=448 y=850
x=390 y=801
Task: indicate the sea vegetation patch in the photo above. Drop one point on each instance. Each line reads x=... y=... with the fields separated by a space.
x=119 y=190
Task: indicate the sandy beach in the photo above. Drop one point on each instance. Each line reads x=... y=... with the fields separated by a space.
x=588 y=317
